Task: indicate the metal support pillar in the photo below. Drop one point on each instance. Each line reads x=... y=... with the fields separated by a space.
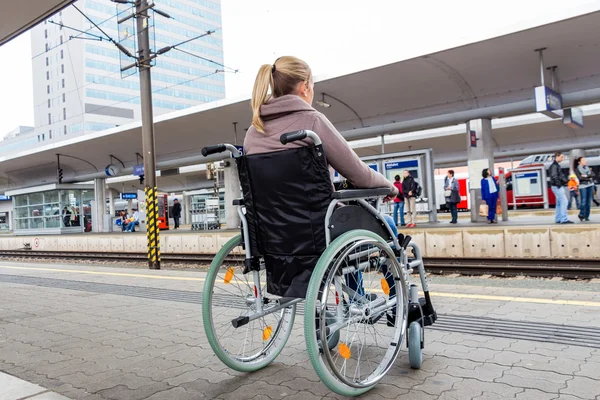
x=503 y=198
x=99 y=204
x=232 y=192
x=150 y=189
x=480 y=155
x=430 y=182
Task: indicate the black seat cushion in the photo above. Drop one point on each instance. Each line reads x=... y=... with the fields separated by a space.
x=286 y=194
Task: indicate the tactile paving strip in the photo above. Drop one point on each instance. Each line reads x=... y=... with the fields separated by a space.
x=540 y=332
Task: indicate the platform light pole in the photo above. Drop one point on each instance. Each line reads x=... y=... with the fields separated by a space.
x=143 y=62
x=150 y=189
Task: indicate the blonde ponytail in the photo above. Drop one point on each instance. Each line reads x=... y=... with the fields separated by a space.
x=260 y=94
x=282 y=78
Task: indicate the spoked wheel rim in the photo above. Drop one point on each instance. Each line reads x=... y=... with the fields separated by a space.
x=228 y=295
x=367 y=346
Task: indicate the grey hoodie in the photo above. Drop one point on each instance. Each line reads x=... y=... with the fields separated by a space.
x=290 y=113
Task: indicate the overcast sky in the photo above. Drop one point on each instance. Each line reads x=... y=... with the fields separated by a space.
x=333 y=36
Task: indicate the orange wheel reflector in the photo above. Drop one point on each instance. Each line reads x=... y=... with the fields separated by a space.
x=344 y=351
x=229 y=275
x=267 y=333
x=385 y=286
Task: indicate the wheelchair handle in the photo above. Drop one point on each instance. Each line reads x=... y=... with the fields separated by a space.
x=299 y=135
x=219 y=148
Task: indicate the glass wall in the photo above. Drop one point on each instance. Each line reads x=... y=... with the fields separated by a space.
x=53 y=209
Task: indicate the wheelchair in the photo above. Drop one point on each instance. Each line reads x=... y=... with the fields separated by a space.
x=302 y=242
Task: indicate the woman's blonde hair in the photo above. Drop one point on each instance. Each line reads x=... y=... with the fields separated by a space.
x=282 y=78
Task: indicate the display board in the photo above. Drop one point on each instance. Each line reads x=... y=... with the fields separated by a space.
x=527 y=184
x=475 y=169
x=398 y=166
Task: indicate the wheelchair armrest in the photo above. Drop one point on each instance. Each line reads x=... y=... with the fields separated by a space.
x=238 y=202
x=360 y=193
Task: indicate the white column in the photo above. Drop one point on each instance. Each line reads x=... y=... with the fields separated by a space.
x=99 y=205
x=111 y=202
x=232 y=192
x=479 y=156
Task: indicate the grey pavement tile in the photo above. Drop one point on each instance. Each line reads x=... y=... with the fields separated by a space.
x=437 y=384
x=160 y=374
x=589 y=369
x=176 y=393
x=270 y=390
x=533 y=379
x=499 y=389
x=582 y=387
x=484 y=372
x=122 y=392
x=533 y=394
x=304 y=385
x=48 y=396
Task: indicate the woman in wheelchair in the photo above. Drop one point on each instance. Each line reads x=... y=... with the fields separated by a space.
x=347 y=262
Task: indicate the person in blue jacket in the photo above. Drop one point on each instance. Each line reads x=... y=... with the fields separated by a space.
x=489 y=194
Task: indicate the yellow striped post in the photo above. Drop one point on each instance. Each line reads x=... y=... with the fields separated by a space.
x=152 y=231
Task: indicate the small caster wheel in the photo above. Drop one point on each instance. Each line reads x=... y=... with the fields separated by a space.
x=415 y=355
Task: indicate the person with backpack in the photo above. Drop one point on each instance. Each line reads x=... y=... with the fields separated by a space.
x=398 y=202
x=409 y=190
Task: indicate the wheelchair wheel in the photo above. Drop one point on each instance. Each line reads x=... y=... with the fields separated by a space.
x=359 y=280
x=229 y=296
x=415 y=354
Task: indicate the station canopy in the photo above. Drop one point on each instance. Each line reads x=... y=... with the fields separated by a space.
x=17 y=17
x=490 y=73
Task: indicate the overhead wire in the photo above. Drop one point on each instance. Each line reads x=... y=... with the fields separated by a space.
x=78 y=36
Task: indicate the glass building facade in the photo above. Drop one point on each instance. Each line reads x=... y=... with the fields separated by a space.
x=78 y=84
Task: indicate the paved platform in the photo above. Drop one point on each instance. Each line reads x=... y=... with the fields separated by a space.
x=96 y=333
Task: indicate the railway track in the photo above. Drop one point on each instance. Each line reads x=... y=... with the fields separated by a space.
x=546 y=268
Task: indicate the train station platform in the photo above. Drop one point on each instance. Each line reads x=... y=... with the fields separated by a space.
x=528 y=234
x=99 y=333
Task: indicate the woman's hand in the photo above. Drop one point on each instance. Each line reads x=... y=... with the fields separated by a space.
x=391 y=196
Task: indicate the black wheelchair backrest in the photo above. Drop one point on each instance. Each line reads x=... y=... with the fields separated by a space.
x=286 y=194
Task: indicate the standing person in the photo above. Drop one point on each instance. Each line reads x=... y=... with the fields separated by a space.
x=586 y=187
x=452 y=195
x=176 y=212
x=66 y=216
x=594 y=196
x=558 y=181
x=135 y=220
x=573 y=187
x=409 y=189
x=489 y=194
x=398 y=202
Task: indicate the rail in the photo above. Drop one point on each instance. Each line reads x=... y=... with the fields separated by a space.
x=506 y=267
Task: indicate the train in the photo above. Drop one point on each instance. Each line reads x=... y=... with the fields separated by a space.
x=528 y=164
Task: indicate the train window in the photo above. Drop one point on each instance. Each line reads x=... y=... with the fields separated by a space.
x=536 y=159
x=509 y=183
